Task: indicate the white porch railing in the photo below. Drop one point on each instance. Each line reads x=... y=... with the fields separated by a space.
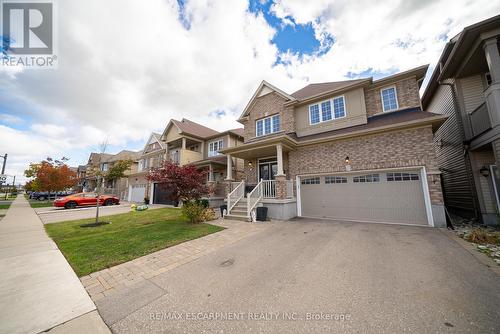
x=235 y=195
x=269 y=189
x=254 y=197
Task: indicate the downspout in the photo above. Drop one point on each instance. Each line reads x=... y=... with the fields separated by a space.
x=468 y=167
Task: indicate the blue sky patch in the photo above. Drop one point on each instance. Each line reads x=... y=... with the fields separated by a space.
x=295 y=38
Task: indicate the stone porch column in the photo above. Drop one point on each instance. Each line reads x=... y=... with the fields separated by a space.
x=493 y=92
x=280 y=186
x=210 y=173
x=184 y=143
x=279 y=158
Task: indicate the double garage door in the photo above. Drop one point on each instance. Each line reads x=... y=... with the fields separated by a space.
x=392 y=197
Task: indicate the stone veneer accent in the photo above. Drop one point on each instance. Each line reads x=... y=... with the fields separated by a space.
x=268 y=105
x=408 y=96
x=403 y=148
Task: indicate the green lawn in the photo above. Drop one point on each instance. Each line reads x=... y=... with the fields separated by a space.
x=130 y=235
x=41 y=204
x=5 y=205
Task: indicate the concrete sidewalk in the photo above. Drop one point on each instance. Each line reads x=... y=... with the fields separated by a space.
x=38 y=289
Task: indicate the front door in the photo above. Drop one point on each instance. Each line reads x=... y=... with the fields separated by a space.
x=268 y=170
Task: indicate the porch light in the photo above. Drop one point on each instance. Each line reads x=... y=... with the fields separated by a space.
x=484 y=171
x=347 y=160
x=250 y=164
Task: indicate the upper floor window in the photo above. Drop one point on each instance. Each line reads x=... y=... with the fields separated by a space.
x=267 y=125
x=389 y=98
x=104 y=167
x=214 y=147
x=327 y=110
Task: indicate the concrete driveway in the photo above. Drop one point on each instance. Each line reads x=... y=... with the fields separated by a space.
x=318 y=276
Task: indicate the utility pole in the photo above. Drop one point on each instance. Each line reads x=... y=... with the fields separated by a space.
x=4 y=162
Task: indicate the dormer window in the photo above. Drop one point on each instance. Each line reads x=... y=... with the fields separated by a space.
x=268 y=125
x=322 y=112
x=389 y=98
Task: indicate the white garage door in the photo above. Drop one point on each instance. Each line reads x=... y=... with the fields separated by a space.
x=137 y=193
x=393 y=197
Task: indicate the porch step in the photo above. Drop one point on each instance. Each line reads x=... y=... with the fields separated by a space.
x=239 y=212
x=237 y=217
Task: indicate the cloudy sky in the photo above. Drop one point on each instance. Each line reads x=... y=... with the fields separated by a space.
x=126 y=67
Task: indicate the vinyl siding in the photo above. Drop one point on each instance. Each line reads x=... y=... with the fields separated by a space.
x=471 y=93
x=458 y=184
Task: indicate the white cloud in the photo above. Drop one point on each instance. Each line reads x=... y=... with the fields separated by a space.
x=127 y=67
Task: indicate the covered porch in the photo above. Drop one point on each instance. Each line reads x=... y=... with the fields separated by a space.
x=215 y=167
x=265 y=181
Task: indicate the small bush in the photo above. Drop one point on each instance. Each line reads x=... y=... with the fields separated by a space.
x=193 y=211
x=203 y=202
x=208 y=215
x=480 y=236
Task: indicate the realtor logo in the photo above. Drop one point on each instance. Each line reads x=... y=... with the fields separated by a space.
x=28 y=33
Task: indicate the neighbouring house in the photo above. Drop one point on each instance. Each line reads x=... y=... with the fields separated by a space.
x=465 y=86
x=81 y=176
x=89 y=182
x=185 y=142
x=359 y=150
x=120 y=186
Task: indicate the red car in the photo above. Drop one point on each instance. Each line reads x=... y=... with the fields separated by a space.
x=85 y=199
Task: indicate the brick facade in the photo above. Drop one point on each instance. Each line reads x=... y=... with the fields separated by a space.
x=407 y=91
x=268 y=105
x=404 y=148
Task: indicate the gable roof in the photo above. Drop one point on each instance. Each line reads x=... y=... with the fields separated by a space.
x=157 y=138
x=324 y=87
x=255 y=95
x=122 y=155
x=454 y=53
x=193 y=128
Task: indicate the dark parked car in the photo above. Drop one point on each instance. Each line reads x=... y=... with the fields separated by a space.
x=43 y=195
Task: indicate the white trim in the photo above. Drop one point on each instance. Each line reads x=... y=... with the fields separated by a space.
x=332 y=109
x=395 y=95
x=427 y=197
x=265 y=163
x=492 y=175
x=299 y=199
x=219 y=147
x=364 y=221
x=256 y=95
x=264 y=127
x=423 y=176
x=151 y=192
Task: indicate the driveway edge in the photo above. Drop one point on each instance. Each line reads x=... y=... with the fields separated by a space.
x=483 y=258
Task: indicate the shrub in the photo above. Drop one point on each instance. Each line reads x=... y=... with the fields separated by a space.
x=480 y=236
x=203 y=202
x=208 y=215
x=193 y=211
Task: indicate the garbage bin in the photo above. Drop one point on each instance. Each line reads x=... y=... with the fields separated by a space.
x=222 y=209
x=261 y=213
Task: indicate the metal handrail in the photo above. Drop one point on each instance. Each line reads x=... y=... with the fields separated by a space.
x=240 y=188
x=250 y=195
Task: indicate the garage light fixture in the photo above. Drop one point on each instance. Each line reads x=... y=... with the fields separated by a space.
x=347 y=160
x=484 y=171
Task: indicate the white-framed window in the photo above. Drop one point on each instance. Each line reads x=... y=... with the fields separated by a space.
x=310 y=180
x=268 y=125
x=214 y=147
x=327 y=110
x=366 y=178
x=104 y=167
x=402 y=177
x=335 y=179
x=389 y=98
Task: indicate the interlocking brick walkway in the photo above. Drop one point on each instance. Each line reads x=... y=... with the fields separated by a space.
x=108 y=281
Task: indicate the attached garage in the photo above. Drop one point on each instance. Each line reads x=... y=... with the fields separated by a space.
x=388 y=196
x=161 y=194
x=137 y=193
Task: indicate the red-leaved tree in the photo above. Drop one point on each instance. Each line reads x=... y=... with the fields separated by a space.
x=51 y=175
x=185 y=183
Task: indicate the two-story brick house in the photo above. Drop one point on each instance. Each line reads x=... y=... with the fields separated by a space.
x=185 y=142
x=465 y=85
x=358 y=150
